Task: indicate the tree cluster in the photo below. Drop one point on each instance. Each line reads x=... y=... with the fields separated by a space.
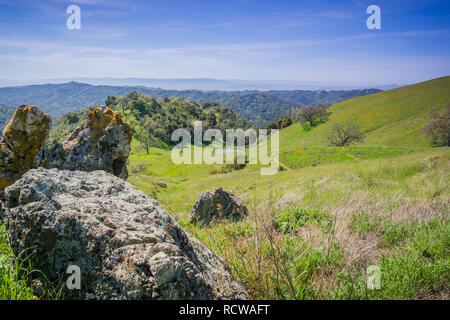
x=153 y=120
x=311 y=116
x=307 y=116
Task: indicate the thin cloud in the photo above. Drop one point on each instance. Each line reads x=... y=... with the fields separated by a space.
x=294 y=24
x=336 y=14
x=106 y=3
x=183 y=26
x=423 y=33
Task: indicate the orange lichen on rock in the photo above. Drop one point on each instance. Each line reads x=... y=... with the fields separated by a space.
x=102 y=142
x=102 y=117
x=22 y=146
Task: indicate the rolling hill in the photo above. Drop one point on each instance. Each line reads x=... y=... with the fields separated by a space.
x=257 y=107
x=390 y=118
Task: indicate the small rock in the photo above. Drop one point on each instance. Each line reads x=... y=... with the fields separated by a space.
x=160 y=184
x=217 y=205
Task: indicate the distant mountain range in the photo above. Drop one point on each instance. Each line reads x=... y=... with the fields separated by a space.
x=257 y=107
x=202 y=84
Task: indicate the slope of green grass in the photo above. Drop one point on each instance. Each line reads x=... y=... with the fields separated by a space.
x=390 y=118
x=186 y=182
x=299 y=158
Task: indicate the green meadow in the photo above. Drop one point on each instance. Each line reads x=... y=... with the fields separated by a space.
x=388 y=209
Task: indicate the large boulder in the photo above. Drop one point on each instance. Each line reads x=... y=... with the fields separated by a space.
x=102 y=142
x=22 y=146
x=125 y=244
x=216 y=206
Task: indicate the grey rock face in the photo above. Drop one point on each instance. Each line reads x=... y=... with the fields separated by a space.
x=125 y=244
x=217 y=205
x=102 y=142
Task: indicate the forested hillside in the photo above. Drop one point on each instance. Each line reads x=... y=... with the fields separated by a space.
x=257 y=107
x=5 y=115
x=310 y=97
x=152 y=121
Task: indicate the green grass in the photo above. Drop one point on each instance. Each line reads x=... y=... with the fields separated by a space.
x=292 y=219
x=15 y=275
x=379 y=175
x=18 y=280
x=364 y=223
x=419 y=268
x=389 y=118
x=307 y=157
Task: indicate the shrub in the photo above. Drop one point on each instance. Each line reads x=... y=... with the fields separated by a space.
x=137 y=168
x=226 y=168
x=439 y=127
x=291 y=219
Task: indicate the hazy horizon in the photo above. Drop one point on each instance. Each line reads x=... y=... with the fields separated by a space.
x=306 y=42
x=199 y=83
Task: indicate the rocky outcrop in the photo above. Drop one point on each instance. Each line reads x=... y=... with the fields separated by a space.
x=22 y=146
x=125 y=244
x=216 y=206
x=102 y=142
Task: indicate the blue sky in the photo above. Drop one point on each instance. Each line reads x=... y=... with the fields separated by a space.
x=317 y=41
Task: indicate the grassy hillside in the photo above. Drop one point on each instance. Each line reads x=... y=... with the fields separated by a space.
x=389 y=118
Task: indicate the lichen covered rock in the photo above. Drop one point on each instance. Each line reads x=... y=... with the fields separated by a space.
x=125 y=244
x=102 y=142
x=216 y=206
x=22 y=146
